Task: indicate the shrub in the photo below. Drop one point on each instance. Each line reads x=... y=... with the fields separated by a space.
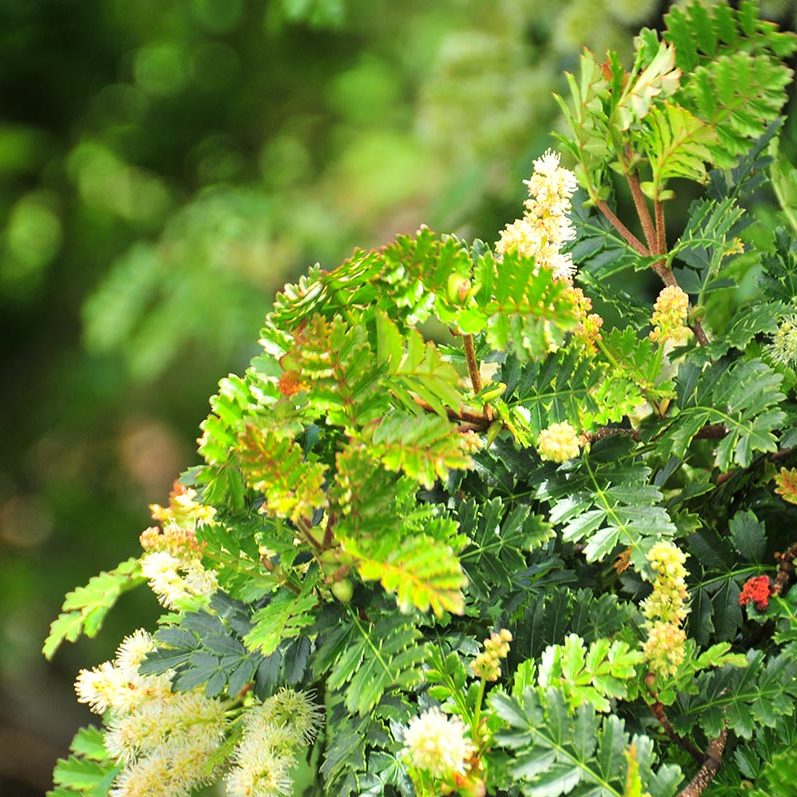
x=444 y=442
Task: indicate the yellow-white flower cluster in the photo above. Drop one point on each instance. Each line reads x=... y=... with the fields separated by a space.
x=274 y=732
x=163 y=739
x=487 y=664
x=783 y=349
x=436 y=743
x=175 y=579
x=558 y=443
x=665 y=609
x=172 y=564
x=669 y=316
x=545 y=226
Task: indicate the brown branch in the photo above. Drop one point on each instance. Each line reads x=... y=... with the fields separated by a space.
x=661 y=228
x=308 y=535
x=710 y=767
x=641 y=205
x=630 y=238
x=611 y=431
x=464 y=416
x=473 y=366
x=700 y=333
x=329 y=534
x=269 y=565
x=785 y=562
x=657 y=709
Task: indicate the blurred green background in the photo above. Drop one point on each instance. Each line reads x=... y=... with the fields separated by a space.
x=165 y=166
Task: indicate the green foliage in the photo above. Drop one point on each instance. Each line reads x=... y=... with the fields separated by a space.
x=368 y=658
x=742 y=399
x=442 y=442
x=606 y=504
x=555 y=752
x=88 y=771
x=85 y=608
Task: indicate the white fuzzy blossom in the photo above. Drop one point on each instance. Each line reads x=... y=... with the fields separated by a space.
x=163 y=739
x=436 y=743
x=274 y=732
x=545 y=226
x=176 y=579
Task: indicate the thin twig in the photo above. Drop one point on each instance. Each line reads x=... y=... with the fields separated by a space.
x=307 y=533
x=642 y=210
x=661 y=228
x=710 y=767
x=632 y=240
x=611 y=431
x=463 y=416
x=473 y=366
x=658 y=711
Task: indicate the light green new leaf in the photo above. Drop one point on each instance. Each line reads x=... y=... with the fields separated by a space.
x=85 y=608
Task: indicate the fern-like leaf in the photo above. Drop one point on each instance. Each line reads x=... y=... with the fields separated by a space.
x=500 y=543
x=276 y=466
x=85 y=608
x=374 y=656
x=608 y=503
x=555 y=753
x=423 y=572
x=743 y=399
x=285 y=616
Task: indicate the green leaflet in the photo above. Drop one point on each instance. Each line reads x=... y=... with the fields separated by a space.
x=423 y=572
x=423 y=447
x=607 y=504
x=275 y=466
x=701 y=34
x=743 y=399
x=285 y=616
x=85 y=608
x=500 y=541
x=556 y=753
x=677 y=144
x=759 y=695
x=89 y=771
x=593 y=675
x=706 y=243
x=521 y=308
x=373 y=656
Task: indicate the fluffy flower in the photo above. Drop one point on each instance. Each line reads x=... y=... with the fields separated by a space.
x=175 y=579
x=756 y=590
x=273 y=733
x=151 y=725
x=436 y=743
x=558 y=443
x=545 y=226
x=293 y=710
x=176 y=769
x=669 y=316
x=163 y=739
x=664 y=649
x=786 y=485
x=101 y=688
x=118 y=685
x=783 y=349
x=588 y=330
